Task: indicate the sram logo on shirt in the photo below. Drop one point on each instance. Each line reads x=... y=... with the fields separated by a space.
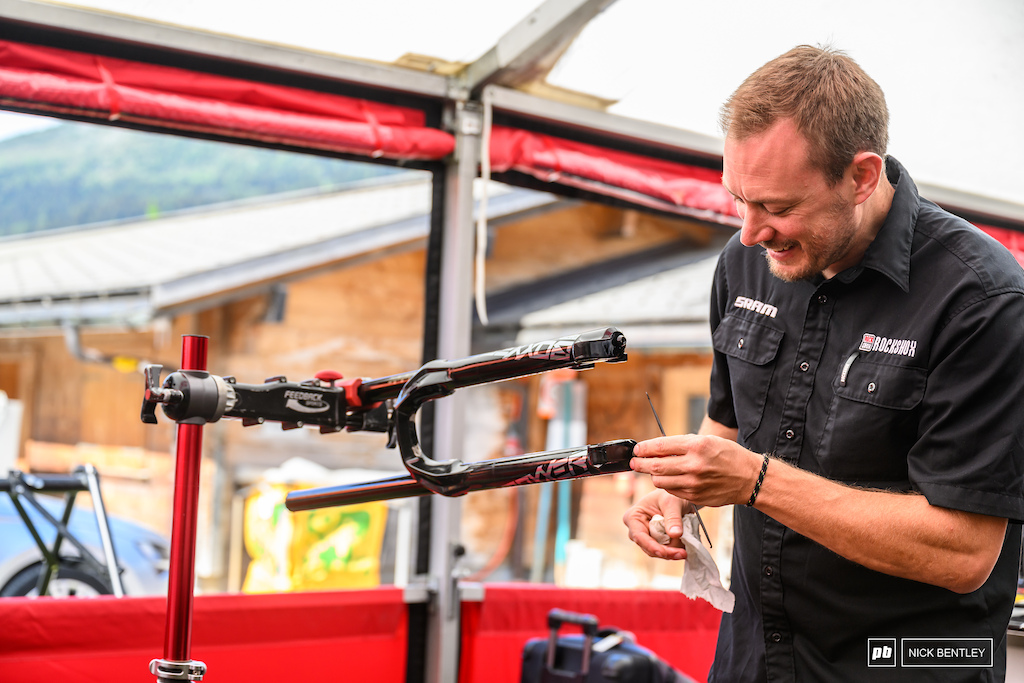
x=896 y=347
x=756 y=306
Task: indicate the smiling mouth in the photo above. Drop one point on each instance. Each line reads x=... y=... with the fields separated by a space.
x=778 y=249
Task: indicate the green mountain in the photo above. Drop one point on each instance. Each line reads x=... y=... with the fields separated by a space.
x=77 y=173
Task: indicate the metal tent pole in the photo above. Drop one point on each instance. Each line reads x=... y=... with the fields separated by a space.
x=454 y=331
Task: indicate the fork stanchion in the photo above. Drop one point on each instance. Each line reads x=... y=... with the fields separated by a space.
x=177 y=664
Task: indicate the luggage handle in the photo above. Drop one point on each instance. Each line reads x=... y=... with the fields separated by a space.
x=557 y=617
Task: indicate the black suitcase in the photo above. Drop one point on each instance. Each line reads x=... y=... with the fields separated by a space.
x=595 y=656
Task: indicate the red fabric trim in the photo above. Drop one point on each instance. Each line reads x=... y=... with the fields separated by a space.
x=651 y=182
x=60 y=81
x=664 y=185
x=681 y=631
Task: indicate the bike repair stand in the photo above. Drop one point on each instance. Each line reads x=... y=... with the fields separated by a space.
x=177 y=665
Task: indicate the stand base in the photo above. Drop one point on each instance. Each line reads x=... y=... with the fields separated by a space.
x=166 y=670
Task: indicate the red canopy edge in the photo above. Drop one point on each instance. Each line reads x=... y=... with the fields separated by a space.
x=664 y=185
x=51 y=80
x=687 y=190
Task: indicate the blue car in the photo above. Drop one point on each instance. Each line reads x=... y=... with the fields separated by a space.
x=141 y=553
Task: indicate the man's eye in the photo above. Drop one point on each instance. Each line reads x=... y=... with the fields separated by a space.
x=780 y=212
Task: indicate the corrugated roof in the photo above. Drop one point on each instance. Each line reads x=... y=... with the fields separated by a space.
x=680 y=294
x=128 y=272
x=668 y=309
x=658 y=297
x=128 y=257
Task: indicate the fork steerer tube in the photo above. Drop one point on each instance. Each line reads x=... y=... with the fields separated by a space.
x=533 y=468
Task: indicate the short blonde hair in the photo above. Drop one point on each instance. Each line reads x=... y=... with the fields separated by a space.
x=834 y=104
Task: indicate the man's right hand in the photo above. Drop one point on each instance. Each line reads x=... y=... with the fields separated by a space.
x=638 y=521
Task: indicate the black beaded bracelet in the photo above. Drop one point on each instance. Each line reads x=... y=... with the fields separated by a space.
x=760 y=480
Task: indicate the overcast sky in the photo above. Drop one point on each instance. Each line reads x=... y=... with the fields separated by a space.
x=952 y=70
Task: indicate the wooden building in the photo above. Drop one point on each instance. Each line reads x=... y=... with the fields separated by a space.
x=336 y=281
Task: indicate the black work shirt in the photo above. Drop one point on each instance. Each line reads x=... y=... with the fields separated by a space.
x=903 y=373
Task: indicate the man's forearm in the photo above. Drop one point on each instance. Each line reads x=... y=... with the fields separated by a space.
x=894 y=533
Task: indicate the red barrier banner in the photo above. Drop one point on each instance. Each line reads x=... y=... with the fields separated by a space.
x=325 y=636
x=681 y=631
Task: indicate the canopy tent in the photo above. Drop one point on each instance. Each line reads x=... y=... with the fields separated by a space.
x=138 y=94
x=107 y=89
x=954 y=83
x=119 y=70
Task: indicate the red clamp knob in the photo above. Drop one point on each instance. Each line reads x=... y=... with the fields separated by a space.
x=330 y=376
x=351 y=386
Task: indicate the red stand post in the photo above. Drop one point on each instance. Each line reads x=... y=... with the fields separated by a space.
x=177 y=664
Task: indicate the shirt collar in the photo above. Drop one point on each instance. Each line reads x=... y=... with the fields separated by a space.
x=889 y=252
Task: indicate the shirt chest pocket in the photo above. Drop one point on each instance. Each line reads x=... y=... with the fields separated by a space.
x=872 y=423
x=885 y=386
x=752 y=349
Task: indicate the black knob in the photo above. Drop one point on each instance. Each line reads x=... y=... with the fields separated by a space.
x=149 y=401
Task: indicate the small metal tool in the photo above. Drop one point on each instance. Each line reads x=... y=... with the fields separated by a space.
x=692 y=506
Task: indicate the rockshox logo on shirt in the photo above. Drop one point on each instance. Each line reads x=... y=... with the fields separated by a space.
x=756 y=306
x=895 y=347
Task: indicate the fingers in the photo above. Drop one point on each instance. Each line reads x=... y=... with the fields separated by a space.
x=705 y=469
x=670 y=471
x=640 y=535
x=638 y=519
x=674 y=522
x=665 y=445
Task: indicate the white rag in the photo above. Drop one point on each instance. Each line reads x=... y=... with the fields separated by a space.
x=701 y=578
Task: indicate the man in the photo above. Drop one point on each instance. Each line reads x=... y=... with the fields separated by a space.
x=866 y=397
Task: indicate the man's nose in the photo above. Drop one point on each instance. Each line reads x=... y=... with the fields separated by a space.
x=755 y=227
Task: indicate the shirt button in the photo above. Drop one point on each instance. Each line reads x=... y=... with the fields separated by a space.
x=776 y=637
x=739 y=344
x=768 y=571
x=805 y=366
x=822 y=299
x=790 y=433
x=871 y=387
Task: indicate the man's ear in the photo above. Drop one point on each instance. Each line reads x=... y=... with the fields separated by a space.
x=867 y=169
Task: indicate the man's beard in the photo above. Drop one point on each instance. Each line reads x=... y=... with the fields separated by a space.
x=825 y=245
